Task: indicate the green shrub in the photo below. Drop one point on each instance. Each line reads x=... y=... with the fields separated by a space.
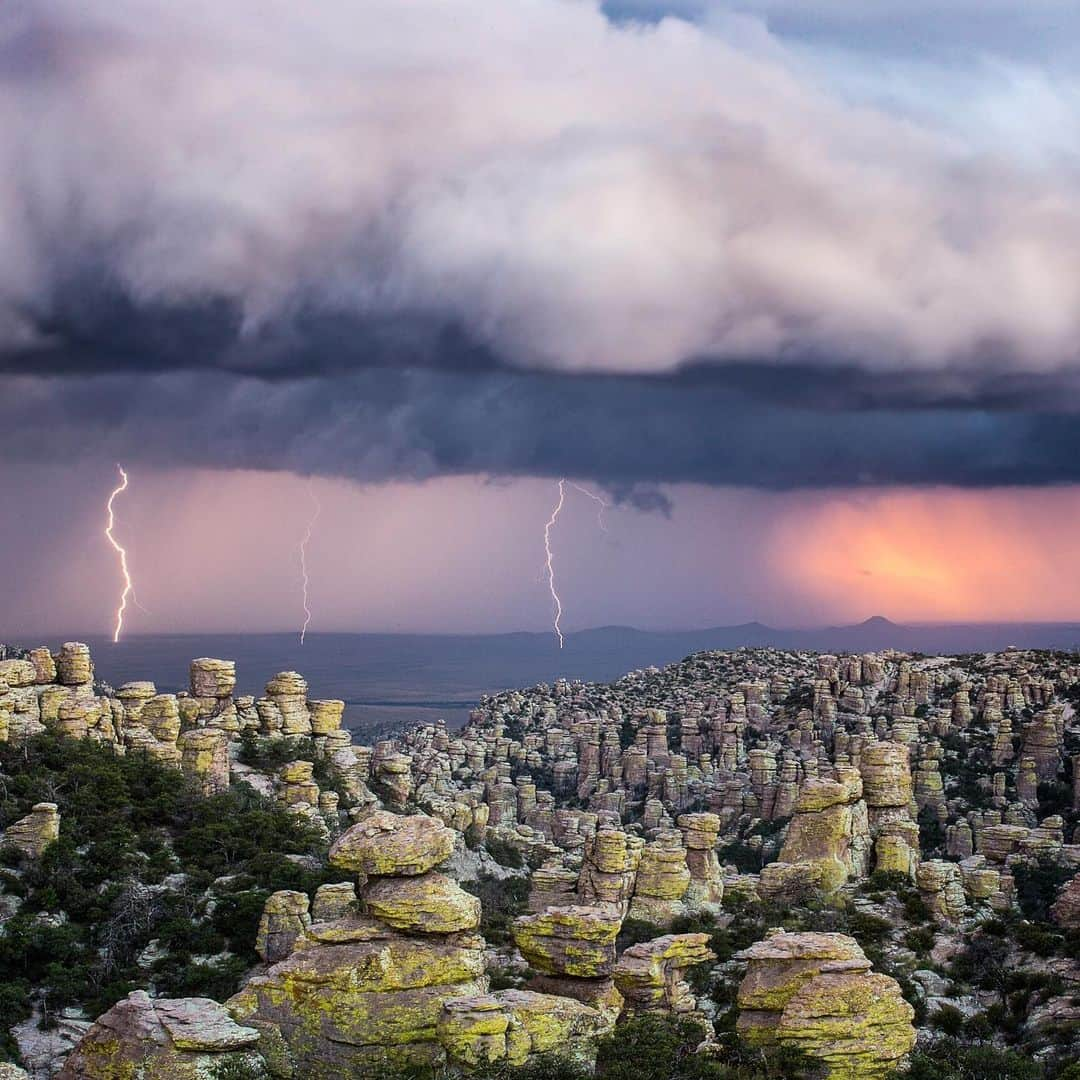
x=1037 y=886
x=947 y=1019
x=504 y=852
x=952 y=1060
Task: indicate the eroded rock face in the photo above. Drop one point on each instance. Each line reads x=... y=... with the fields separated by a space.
x=512 y=1025
x=649 y=975
x=34 y=833
x=817 y=992
x=355 y=992
x=1066 y=908
x=572 y=940
x=428 y=904
x=140 y=1038
x=388 y=844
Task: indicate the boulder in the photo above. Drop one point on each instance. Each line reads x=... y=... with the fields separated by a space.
x=164 y=1039
x=512 y=1025
x=857 y=1023
x=395 y=845
x=817 y=992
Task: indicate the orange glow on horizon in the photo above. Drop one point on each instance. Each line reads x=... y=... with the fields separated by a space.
x=935 y=555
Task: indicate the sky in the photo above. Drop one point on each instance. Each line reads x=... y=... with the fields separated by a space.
x=792 y=285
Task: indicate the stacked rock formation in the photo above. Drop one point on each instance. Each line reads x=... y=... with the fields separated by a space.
x=816 y=992
x=828 y=840
x=573 y=949
x=889 y=795
x=363 y=988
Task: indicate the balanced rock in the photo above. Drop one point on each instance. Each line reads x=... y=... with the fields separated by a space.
x=700 y=835
x=395 y=845
x=572 y=940
x=830 y=829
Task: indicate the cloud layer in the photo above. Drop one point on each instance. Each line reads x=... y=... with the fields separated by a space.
x=570 y=193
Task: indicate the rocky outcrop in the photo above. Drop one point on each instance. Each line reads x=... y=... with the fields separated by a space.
x=649 y=975
x=701 y=833
x=34 y=833
x=828 y=840
x=1066 y=908
x=663 y=880
x=284 y=920
x=942 y=887
x=140 y=1038
x=363 y=988
x=355 y=992
x=817 y=992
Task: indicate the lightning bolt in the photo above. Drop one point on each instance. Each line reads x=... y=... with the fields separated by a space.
x=129 y=588
x=555 y=601
x=303 y=558
x=602 y=505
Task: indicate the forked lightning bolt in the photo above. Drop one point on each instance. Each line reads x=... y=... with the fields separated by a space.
x=129 y=588
x=602 y=506
x=303 y=560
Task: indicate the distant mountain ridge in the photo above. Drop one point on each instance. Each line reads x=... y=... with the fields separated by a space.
x=872 y=634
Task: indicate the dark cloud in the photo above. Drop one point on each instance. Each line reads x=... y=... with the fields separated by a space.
x=628 y=434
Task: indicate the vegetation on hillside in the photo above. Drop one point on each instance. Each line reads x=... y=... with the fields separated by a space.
x=141 y=859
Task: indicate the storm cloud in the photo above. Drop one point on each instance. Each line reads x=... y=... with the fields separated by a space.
x=787 y=428
x=383 y=240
